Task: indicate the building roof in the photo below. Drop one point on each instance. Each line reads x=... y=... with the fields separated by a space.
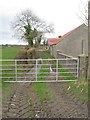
x=54 y=41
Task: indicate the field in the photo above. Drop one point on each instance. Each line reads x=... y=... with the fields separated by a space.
x=9 y=52
x=43 y=98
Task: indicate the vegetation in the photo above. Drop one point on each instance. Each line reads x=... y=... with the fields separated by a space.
x=42 y=91
x=66 y=74
x=9 y=52
x=41 y=88
x=30 y=28
x=7 y=89
x=80 y=87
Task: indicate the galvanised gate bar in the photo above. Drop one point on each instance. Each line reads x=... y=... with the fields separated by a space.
x=40 y=70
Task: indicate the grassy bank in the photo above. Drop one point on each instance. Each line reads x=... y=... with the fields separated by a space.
x=79 y=88
x=41 y=88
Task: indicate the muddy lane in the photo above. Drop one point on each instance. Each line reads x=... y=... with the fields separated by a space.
x=24 y=103
x=64 y=104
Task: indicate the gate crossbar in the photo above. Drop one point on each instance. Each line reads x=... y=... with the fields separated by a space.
x=40 y=70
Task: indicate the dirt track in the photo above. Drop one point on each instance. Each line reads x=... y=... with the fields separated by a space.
x=23 y=102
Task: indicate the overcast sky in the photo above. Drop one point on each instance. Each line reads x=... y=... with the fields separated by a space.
x=62 y=13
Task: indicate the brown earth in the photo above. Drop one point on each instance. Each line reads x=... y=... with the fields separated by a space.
x=23 y=102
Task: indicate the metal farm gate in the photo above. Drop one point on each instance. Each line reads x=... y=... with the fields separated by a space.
x=40 y=70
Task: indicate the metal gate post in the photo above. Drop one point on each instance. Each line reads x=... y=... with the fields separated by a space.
x=57 y=70
x=77 y=69
x=16 y=69
x=36 y=69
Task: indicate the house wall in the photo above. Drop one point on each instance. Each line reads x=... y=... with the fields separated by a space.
x=75 y=43
x=53 y=50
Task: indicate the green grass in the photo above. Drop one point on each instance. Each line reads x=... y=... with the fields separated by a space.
x=7 y=89
x=41 y=88
x=9 y=52
x=43 y=73
x=66 y=74
x=79 y=88
x=46 y=55
x=42 y=91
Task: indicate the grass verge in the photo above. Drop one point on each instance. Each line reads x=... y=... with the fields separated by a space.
x=79 y=88
x=7 y=89
x=67 y=75
x=42 y=88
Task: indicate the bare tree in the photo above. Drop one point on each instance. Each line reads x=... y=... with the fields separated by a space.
x=83 y=13
x=27 y=26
